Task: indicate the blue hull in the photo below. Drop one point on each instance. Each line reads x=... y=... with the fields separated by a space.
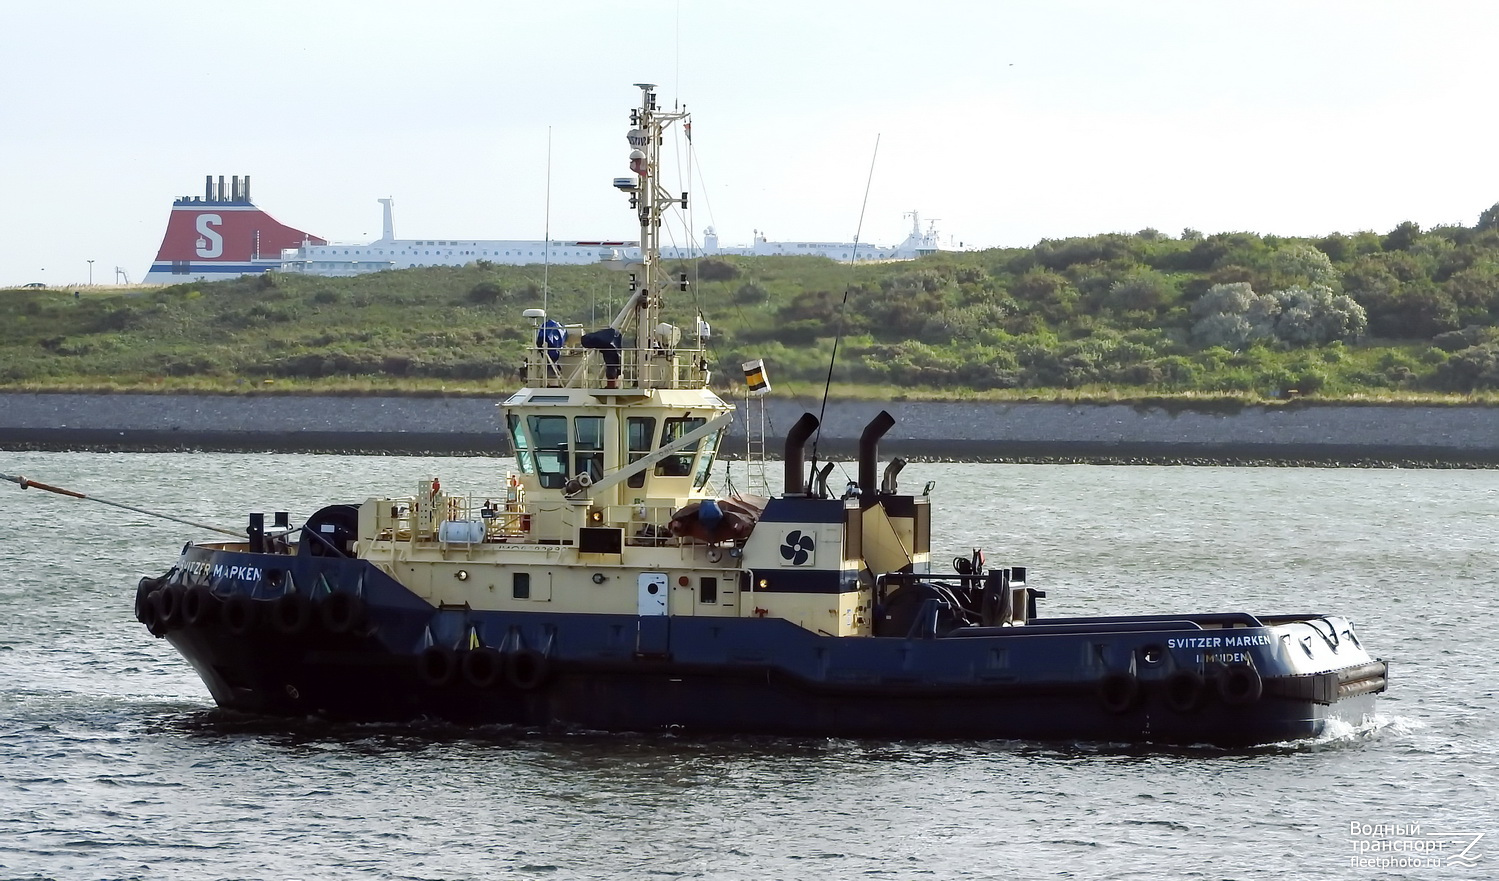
x=338 y=638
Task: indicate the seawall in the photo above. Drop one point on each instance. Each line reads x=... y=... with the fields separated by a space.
x=1295 y=433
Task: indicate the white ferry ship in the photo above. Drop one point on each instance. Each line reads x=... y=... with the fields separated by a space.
x=389 y=252
x=224 y=235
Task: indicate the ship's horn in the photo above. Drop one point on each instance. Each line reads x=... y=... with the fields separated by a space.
x=869 y=456
x=796 y=441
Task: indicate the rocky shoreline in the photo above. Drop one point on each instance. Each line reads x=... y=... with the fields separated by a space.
x=1320 y=434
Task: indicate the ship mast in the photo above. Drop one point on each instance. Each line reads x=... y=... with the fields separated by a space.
x=650 y=200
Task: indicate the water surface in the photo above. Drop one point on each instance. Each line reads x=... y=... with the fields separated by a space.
x=114 y=763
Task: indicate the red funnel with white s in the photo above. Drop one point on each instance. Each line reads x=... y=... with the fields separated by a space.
x=221 y=235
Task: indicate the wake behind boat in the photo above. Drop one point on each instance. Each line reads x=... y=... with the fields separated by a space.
x=608 y=585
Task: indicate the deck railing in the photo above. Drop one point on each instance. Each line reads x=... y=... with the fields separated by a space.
x=458 y=521
x=579 y=367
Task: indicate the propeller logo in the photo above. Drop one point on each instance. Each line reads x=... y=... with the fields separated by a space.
x=798 y=547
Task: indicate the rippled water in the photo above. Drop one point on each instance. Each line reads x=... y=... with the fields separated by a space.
x=114 y=764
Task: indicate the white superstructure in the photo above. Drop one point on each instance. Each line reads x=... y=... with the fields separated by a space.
x=389 y=252
x=916 y=244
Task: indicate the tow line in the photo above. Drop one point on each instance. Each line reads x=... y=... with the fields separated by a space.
x=25 y=483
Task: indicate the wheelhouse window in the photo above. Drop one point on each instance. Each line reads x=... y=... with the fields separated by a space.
x=588 y=446
x=678 y=464
x=709 y=446
x=550 y=436
x=523 y=459
x=640 y=431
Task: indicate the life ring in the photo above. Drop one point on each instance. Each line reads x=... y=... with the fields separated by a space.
x=483 y=666
x=341 y=612
x=291 y=613
x=1240 y=684
x=168 y=605
x=526 y=668
x=1118 y=692
x=198 y=606
x=1184 y=690
x=238 y=614
x=436 y=665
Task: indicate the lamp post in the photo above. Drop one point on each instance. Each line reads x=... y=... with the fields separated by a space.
x=91 y=273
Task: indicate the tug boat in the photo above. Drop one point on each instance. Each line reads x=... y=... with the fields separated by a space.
x=606 y=586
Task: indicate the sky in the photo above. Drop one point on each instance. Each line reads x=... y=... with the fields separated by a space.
x=1004 y=122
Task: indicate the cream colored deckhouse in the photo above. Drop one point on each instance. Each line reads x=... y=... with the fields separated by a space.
x=614 y=435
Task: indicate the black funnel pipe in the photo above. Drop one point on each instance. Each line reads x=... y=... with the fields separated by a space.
x=821 y=488
x=888 y=483
x=796 y=442
x=869 y=456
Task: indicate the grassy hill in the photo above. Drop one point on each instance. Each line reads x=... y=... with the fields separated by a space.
x=1410 y=314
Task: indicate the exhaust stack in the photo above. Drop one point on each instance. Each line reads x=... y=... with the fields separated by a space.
x=796 y=442
x=869 y=457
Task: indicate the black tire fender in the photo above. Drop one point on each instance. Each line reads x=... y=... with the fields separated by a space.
x=291 y=613
x=147 y=615
x=168 y=605
x=1240 y=684
x=199 y=606
x=238 y=614
x=483 y=666
x=1184 y=690
x=341 y=612
x=143 y=591
x=527 y=668
x=437 y=665
x=1119 y=692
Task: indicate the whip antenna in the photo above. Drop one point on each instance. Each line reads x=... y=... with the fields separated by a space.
x=546 y=233
x=837 y=338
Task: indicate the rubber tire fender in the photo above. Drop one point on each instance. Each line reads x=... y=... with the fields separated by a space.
x=1240 y=684
x=437 y=665
x=199 y=606
x=148 y=616
x=143 y=591
x=291 y=613
x=168 y=605
x=1184 y=691
x=527 y=668
x=483 y=666
x=341 y=612
x=238 y=614
x=1119 y=692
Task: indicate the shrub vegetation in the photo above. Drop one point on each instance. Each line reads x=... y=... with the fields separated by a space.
x=1405 y=315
